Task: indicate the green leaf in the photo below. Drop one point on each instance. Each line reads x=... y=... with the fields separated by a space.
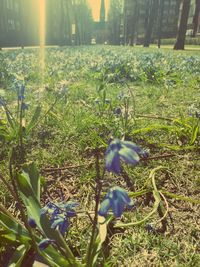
x=34 y=211
x=18 y=256
x=15 y=230
x=156 y=128
x=8 y=237
x=95 y=251
x=194 y=135
x=178 y=197
x=11 y=120
x=32 y=175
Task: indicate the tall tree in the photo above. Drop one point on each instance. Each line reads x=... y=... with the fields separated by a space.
x=125 y=21
x=131 y=9
x=196 y=18
x=114 y=21
x=180 y=41
x=160 y=20
x=102 y=12
x=82 y=17
x=150 y=21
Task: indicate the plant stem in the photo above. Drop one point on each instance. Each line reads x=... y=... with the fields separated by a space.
x=21 y=145
x=98 y=189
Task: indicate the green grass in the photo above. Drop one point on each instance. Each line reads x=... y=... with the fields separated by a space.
x=161 y=86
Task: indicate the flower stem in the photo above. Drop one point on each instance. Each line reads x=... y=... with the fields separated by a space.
x=98 y=188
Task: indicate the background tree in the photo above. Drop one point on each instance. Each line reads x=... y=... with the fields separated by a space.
x=160 y=20
x=180 y=41
x=134 y=23
x=151 y=16
x=196 y=18
x=130 y=18
x=114 y=21
x=82 y=17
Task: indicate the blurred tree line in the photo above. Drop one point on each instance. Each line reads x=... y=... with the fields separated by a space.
x=70 y=22
x=67 y=22
x=142 y=21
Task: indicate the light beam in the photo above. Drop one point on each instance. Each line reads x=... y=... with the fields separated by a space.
x=42 y=29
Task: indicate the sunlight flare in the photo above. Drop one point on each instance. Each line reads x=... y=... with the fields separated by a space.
x=42 y=19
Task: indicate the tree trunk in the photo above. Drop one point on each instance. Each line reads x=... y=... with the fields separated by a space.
x=134 y=23
x=180 y=41
x=150 y=24
x=125 y=30
x=160 y=21
x=196 y=18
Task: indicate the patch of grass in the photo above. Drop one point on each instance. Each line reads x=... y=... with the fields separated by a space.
x=158 y=96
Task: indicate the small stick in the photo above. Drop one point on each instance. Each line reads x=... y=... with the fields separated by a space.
x=159 y=157
x=83 y=165
x=63 y=168
x=154 y=117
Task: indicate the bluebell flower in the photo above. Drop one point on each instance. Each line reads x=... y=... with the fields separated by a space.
x=193 y=111
x=117 y=111
x=124 y=150
x=60 y=213
x=32 y=223
x=24 y=106
x=45 y=243
x=116 y=199
x=21 y=91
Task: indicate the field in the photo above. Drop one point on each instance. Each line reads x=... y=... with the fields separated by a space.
x=83 y=99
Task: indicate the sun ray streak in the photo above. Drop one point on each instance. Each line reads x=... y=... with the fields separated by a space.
x=42 y=21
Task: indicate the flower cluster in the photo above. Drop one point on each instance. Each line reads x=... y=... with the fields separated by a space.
x=60 y=213
x=20 y=87
x=194 y=112
x=20 y=91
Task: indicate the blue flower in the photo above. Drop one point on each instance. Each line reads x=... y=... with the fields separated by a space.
x=59 y=214
x=45 y=243
x=21 y=91
x=124 y=150
x=32 y=223
x=117 y=111
x=24 y=106
x=116 y=199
